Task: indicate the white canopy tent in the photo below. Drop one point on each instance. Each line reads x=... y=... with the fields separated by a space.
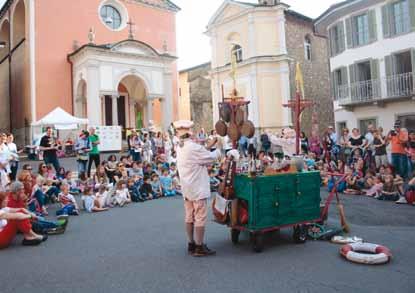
x=61 y=120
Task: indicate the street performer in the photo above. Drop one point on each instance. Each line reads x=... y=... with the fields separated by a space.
x=192 y=162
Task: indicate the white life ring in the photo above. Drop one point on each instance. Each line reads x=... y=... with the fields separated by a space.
x=366 y=253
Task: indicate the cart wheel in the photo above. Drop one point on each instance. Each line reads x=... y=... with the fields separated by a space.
x=257 y=242
x=315 y=231
x=300 y=234
x=235 y=235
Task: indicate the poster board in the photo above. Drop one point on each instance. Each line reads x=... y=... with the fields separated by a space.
x=110 y=138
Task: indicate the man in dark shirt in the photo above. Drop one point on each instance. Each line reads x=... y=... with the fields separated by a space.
x=49 y=148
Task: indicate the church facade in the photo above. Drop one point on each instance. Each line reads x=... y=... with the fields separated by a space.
x=111 y=61
x=267 y=40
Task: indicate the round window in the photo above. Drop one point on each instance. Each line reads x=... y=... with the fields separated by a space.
x=111 y=17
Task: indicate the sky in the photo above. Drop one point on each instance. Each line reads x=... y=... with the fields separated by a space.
x=194 y=47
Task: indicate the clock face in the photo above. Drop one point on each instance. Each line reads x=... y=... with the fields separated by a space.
x=111 y=17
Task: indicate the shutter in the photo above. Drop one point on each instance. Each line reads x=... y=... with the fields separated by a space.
x=331 y=42
x=372 y=26
x=333 y=85
x=345 y=82
x=412 y=13
x=389 y=65
x=352 y=76
x=413 y=61
x=386 y=21
x=374 y=72
x=342 y=45
x=389 y=72
x=349 y=32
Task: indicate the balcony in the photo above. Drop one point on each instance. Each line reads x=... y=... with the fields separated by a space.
x=376 y=90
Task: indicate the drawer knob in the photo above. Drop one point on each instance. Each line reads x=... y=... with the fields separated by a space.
x=299 y=193
x=277 y=204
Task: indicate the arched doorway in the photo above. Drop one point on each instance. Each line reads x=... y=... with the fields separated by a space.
x=19 y=91
x=133 y=107
x=81 y=106
x=4 y=81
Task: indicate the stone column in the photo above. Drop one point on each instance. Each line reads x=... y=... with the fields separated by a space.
x=93 y=94
x=114 y=110
x=167 y=103
x=149 y=109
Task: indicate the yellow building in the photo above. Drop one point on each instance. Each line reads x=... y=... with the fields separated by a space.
x=267 y=39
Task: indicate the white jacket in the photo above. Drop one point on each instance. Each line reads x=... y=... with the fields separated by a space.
x=192 y=159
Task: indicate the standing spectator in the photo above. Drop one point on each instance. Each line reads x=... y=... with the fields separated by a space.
x=82 y=148
x=345 y=149
x=158 y=141
x=332 y=134
x=252 y=146
x=135 y=147
x=243 y=145
x=398 y=138
x=147 y=148
x=411 y=153
x=265 y=142
x=14 y=162
x=379 y=144
x=369 y=137
x=49 y=146
x=5 y=155
x=168 y=145
x=304 y=142
x=357 y=142
x=315 y=145
x=94 y=153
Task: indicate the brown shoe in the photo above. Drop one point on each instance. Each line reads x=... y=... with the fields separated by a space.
x=203 y=250
x=191 y=247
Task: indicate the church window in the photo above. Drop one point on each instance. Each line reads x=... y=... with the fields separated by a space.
x=111 y=17
x=307 y=48
x=237 y=51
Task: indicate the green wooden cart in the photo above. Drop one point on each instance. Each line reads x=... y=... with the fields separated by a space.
x=278 y=201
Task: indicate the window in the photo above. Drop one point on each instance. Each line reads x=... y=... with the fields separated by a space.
x=307 y=48
x=111 y=17
x=364 y=123
x=408 y=121
x=400 y=17
x=362 y=29
x=340 y=83
x=340 y=126
x=337 y=43
x=363 y=71
x=237 y=52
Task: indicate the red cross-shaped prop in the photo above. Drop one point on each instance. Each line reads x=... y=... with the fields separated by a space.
x=298 y=105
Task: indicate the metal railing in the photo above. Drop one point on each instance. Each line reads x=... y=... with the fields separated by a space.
x=395 y=86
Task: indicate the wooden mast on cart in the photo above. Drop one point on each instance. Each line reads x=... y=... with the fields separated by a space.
x=298 y=105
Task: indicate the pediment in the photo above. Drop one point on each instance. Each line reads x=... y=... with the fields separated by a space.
x=228 y=9
x=135 y=47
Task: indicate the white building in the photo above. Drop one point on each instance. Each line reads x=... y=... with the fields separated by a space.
x=372 y=61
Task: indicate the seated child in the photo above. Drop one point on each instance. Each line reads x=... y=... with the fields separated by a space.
x=375 y=188
x=91 y=203
x=352 y=178
x=214 y=182
x=134 y=191
x=176 y=185
x=389 y=191
x=146 y=189
x=156 y=186
x=122 y=196
x=136 y=171
x=68 y=202
x=103 y=197
x=166 y=182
